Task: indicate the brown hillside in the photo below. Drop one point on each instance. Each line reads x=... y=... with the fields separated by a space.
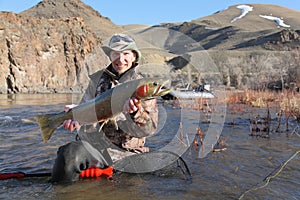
x=249 y=52
x=252 y=22
x=219 y=32
x=55 y=45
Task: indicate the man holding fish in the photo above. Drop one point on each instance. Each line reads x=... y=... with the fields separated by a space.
x=120 y=129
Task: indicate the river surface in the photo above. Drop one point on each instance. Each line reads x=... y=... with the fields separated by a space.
x=238 y=168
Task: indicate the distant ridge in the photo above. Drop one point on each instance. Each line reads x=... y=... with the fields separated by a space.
x=102 y=26
x=252 y=21
x=223 y=30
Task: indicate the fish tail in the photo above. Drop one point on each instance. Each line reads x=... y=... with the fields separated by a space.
x=47 y=130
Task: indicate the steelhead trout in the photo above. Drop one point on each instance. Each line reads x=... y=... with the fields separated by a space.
x=105 y=106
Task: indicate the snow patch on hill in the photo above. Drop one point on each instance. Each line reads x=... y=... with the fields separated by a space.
x=279 y=21
x=245 y=10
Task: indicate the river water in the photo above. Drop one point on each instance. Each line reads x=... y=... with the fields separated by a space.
x=238 y=170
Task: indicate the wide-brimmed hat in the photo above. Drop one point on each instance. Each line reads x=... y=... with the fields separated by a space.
x=122 y=42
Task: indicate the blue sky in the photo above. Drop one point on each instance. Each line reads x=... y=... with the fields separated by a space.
x=154 y=11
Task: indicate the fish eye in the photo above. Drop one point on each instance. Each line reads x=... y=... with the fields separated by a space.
x=155 y=84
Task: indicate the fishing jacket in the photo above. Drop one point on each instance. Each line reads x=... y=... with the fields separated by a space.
x=144 y=121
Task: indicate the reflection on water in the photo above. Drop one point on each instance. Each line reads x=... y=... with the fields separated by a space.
x=13 y=100
x=245 y=163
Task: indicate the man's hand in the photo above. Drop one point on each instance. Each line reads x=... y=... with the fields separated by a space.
x=70 y=124
x=131 y=105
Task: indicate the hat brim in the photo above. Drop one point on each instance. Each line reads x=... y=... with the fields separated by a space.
x=106 y=50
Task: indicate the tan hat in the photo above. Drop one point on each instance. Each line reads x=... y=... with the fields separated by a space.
x=122 y=42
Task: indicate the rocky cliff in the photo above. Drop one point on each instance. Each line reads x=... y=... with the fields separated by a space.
x=52 y=47
x=44 y=55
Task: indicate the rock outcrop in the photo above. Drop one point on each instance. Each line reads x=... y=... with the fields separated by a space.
x=45 y=55
x=289 y=36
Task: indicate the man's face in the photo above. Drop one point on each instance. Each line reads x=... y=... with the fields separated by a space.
x=122 y=61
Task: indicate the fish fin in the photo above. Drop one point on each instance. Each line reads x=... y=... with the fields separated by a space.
x=103 y=123
x=114 y=121
x=47 y=130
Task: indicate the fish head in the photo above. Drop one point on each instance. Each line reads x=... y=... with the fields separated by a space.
x=152 y=88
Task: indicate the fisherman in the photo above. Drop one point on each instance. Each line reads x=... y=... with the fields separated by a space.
x=112 y=140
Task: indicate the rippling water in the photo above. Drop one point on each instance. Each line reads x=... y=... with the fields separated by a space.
x=228 y=174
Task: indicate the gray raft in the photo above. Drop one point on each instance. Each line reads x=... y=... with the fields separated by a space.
x=191 y=94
